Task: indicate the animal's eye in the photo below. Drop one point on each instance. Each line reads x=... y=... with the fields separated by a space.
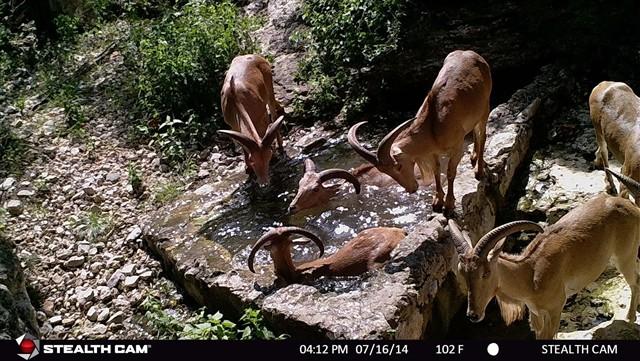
x=316 y=189
x=486 y=274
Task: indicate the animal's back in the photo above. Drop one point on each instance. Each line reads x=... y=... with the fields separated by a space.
x=615 y=110
x=370 y=248
x=580 y=245
x=248 y=74
x=460 y=94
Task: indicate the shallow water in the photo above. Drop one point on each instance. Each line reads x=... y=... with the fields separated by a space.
x=252 y=210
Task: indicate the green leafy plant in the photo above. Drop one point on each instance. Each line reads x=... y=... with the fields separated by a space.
x=345 y=39
x=167 y=192
x=93 y=225
x=158 y=320
x=176 y=67
x=135 y=179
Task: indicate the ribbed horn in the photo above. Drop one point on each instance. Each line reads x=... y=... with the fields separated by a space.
x=463 y=246
x=489 y=240
x=352 y=138
x=272 y=132
x=632 y=185
x=384 y=149
x=309 y=166
x=325 y=175
x=244 y=140
x=282 y=233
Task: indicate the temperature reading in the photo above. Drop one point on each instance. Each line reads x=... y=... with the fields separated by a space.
x=449 y=349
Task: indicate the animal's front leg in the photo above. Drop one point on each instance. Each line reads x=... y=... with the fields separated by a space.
x=247 y=167
x=438 y=198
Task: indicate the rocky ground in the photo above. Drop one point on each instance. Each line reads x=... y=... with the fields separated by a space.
x=73 y=213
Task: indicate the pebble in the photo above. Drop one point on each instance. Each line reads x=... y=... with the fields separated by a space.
x=92 y=314
x=74 y=262
x=7 y=184
x=55 y=320
x=103 y=315
x=131 y=281
x=14 y=207
x=134 y=234
x=26 y=193
x=113 y=176
x=128 y=269
x=117 y=317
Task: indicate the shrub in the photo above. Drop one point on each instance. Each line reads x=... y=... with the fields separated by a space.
x=345 y=39
x=177 y=66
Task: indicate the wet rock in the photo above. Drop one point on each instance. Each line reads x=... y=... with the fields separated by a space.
x=204 y=190
x=14 y=207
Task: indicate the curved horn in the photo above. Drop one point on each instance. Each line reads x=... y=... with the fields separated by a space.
x=244 y=140
x=368 y=155
x=489 y=240
x=272 y=132
x=309 y=166
x=244 y=116
x=384 y=149
x=325 y=175
x=632 y=185
x=282 y=233
x=463 y=246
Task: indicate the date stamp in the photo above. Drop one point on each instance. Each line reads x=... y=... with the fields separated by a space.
x=371 y=349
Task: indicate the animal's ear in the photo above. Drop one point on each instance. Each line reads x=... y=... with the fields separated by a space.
x=495 y=251
x=309 y=166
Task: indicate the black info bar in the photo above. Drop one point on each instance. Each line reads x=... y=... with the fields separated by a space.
x=301 y=350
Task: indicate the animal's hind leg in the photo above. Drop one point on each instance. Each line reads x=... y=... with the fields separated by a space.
x=479 y=138
x=602 y=159
x=630 y=269
x=452 y=170
x=438 y=201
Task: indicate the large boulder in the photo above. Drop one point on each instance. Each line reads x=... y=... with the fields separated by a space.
x=17 y=315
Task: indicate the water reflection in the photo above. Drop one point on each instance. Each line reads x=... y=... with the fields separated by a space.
x=251 y=210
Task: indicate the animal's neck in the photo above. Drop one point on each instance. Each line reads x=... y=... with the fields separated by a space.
x=283 y=264
x=515 y=279
x=417 y=140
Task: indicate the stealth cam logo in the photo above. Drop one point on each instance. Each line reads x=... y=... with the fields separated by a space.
x=29 y=346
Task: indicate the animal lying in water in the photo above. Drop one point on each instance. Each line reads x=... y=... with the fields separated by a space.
x=368 y=250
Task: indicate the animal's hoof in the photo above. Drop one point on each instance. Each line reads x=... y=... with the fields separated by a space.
x=479 y=173
x=449 y=212
x=437 y=205
x=474 y=159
